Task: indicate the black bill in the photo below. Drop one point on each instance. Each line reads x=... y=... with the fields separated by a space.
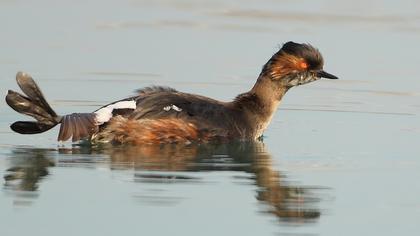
x=324 y=74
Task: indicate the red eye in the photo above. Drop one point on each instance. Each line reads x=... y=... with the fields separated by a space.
x=303 y=65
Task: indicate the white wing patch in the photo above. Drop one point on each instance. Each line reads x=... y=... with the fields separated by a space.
x=105 y=114
x=173 y=107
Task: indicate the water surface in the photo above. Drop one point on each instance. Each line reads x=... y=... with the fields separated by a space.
x=339 y=158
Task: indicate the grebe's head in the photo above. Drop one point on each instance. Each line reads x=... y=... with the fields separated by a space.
x=296 y=64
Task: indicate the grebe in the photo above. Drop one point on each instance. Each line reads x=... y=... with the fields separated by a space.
x=165 y=115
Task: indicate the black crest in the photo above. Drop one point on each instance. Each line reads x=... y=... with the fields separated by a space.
x=311 y=55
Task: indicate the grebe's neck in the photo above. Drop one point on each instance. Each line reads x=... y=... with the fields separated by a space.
x=259 y=104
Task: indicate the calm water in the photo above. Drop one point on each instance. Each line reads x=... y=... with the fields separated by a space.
x=340 y=157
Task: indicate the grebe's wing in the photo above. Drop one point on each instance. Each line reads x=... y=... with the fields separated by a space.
x=178 y=105
x=164 y=102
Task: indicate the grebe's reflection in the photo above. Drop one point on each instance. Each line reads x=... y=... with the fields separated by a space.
x=28 y=167
x=285 y=200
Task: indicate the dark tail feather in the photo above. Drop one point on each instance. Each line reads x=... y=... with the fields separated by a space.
x=76 y=125
x=33 y=104
x=31 y=89
x=66 y=129
x=26 y=106
x=30 y=127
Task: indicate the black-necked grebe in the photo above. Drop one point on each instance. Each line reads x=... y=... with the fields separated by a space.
x=164 y=115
